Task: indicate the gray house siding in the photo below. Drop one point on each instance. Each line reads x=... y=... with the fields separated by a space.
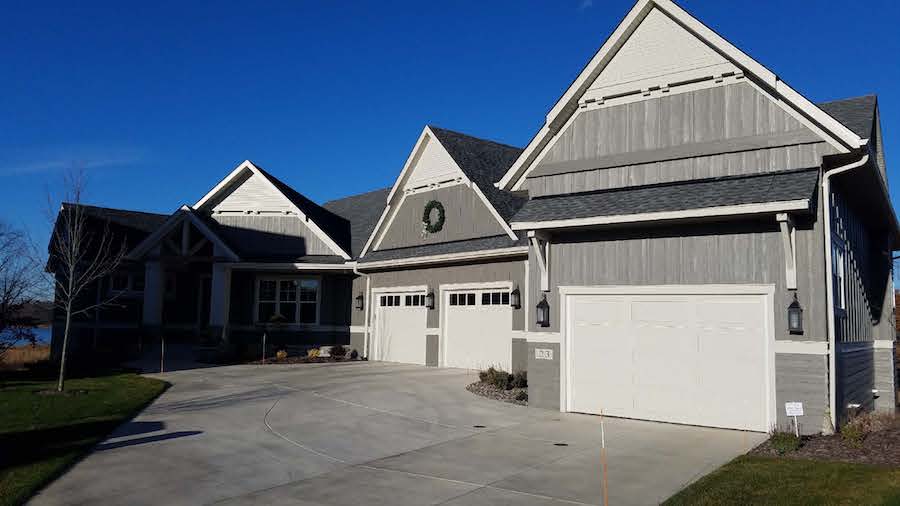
x=725 y=130
x=433 y=277
x=543 y=377
x=885 y=379
x=856 y=379
x=802 y=378
x=745 y=252
x=267 y=235
x=467 y=217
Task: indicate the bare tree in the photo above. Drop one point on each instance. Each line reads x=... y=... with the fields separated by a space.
x=83 y=251
x=19 y=284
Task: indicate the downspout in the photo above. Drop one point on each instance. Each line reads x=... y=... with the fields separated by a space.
x=829 y=289
x=367 y=302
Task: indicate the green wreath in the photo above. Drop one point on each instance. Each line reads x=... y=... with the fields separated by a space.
x=438 y=224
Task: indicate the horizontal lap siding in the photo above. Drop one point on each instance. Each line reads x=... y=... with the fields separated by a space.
x=802 y=378
x=885 y=379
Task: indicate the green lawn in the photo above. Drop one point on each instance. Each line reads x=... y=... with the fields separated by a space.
x=769 y=480
x=41 y=435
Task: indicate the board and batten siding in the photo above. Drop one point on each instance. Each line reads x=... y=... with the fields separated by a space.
x=271 y=234
x=868 y=312
x=466 y=217
x=736 y=252
x=855 y=378
x=504 y=271
x=724 y=130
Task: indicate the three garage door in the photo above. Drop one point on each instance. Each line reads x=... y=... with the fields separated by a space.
x=697 y=359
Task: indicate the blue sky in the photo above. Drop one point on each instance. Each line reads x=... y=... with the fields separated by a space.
x=160 y=100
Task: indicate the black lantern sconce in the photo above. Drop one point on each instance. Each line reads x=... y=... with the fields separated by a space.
x=795 y=317
x=429 y=300
x=359 y=302
x=543 y=313
x=515 y=299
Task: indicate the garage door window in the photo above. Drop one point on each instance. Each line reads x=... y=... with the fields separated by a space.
x=415 y=300
x=495 y=299
x=390 y=300
x=462 y=299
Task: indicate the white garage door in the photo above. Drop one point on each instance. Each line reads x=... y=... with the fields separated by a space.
x=400 y=328
x=477 y=329
x=693 y=359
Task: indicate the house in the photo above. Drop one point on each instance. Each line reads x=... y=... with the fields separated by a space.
x=685 y=239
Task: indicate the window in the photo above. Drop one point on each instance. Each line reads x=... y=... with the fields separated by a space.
x=462 y=299
x=495 y=299
x=119 y=282
x=295 y=299
x=415 y=300
x=837 y=274
x=390 y=300
x=137 y=282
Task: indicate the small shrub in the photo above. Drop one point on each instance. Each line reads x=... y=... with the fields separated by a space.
x=784 y=442
x=497 y=378
x=853 y=434
x=522 y=396
x=312 y=353
x=280 y=355
x=354 y=355
x=519 y=380
x=338 y=351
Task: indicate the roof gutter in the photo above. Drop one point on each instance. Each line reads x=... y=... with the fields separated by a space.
x=829 y=288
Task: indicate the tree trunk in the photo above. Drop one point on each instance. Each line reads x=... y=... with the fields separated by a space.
x=62 y=358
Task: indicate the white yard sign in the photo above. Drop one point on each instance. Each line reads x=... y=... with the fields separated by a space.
x=794 y=409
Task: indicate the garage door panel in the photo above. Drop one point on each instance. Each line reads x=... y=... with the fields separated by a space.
x=696 y=359
x=400 y=328
x=477 y=329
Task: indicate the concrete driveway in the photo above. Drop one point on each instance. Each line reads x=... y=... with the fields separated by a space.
x=376 y=433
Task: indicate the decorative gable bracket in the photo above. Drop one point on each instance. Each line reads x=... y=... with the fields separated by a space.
x=789 y=241
x=540 y=248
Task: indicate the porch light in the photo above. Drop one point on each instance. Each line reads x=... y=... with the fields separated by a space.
x=359 y=302
x=795 y=317
x=543 y=313
x=429 y=300
x=515 y=299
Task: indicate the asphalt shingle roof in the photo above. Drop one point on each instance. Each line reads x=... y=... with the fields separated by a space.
x=444 y=248
x=137 y=220
x=857 y=113
x=484 y=162
x=362 y=211
x=680 y=196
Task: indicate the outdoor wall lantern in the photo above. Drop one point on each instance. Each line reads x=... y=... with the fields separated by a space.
x=795 y=317
x=359 y=302
x=515 y=299
x=543 y=313
x=429 y=300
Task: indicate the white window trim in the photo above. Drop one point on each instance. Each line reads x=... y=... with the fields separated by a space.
x=278 y=280
x=840 y=292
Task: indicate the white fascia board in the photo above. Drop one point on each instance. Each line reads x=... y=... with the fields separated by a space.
x=450 y=257
x=682 y=17
x=738 y=210
x=245 y=165
x=291 y=266
x=384 y=214
x=183 y=213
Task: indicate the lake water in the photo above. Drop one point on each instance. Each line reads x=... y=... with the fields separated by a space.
x=43 y=334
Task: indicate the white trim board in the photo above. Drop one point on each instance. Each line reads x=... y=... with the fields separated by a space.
x=706 y=212
x=183 y=213
x=247 y=165
x=297 y=266
x=837 y=134
x=801 y=347
x=449 y=257
x=767 y=291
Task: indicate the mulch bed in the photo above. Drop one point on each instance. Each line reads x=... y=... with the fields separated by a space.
x=492 y=392
x=878 y=448
x=305 y=360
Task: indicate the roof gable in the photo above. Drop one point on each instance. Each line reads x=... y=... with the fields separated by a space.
x=630 y=77
x=442 y=158
x=268 y=194
x=184 y=213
